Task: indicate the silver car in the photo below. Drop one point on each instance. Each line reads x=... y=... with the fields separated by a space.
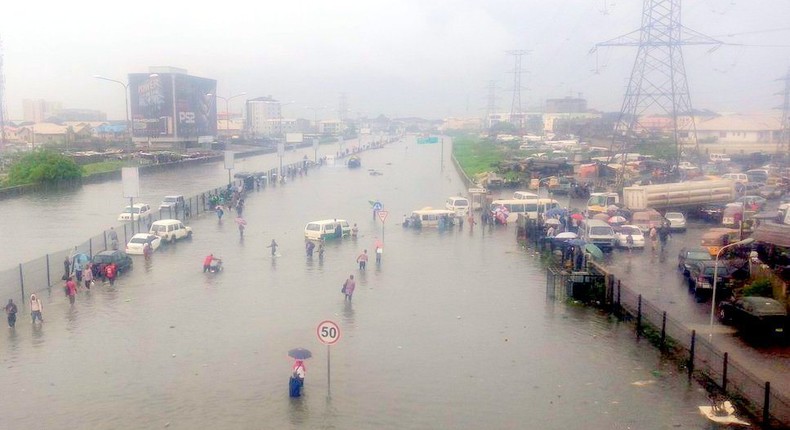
x=677 y=221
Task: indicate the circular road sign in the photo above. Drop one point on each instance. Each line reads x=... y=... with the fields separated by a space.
x=328 y=332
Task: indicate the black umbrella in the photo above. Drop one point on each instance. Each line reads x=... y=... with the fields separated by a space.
x=300 y=353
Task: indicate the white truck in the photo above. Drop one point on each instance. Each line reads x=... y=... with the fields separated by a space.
x=678 y=195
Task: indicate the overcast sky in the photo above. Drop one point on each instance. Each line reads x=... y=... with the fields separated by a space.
x=425 y=58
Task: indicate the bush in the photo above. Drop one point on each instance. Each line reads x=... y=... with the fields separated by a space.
x=761 y=287
x=43 y=166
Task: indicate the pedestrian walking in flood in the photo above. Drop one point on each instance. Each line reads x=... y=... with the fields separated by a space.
x=348 y=287
x=241 y=231
x=147 y=251
x=309 y=246
x=87 y=275
x=220 y=212
x=66 y=268
x=36 y=307
x=363 y=260
x=110 y=272
x=321 y=250
x=112 y=235
x=273 y=246
x=11 y=310
x=653 y=235
x=354 y=231
x=71 y=289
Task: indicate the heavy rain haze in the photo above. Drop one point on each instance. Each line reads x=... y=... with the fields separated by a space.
x=398 y=58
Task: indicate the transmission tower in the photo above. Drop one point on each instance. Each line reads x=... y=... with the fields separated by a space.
x=491 y=106
x=2 y=100
x=658 y=82
x=516 y=114
x=783 y=145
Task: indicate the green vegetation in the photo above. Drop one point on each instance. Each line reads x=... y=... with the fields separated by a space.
x=476 y=156
x=42 y=166
x=103 y=166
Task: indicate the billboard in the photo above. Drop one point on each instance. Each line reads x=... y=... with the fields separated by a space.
x=168 y=105
x=294 y=137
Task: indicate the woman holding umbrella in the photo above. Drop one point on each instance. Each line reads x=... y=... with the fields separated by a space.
x=296 y=381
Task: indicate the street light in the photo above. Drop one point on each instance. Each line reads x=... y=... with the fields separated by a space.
x=227 y=108
x=126 y=105
x=716 y=275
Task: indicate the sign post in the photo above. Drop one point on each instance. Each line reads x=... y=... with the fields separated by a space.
x=281 y=154
x=229 y=160
x=328 y=333
x=383 y=217
x=130 y=176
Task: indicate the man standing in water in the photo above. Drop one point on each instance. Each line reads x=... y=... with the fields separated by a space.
x=273 y=246
x=71 y=290
x=363 y=260
x=11 y=310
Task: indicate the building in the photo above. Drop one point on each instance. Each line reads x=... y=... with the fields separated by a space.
x=46 y=133
x=331 y=126
x=741 y=129
x=565 y=105
x=464 y=124
x=264 y=117
x=39 y=110
x=171 y=109
x=80 y=115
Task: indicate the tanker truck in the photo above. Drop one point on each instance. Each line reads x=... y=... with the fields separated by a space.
x=663 y=196
x=679 y=195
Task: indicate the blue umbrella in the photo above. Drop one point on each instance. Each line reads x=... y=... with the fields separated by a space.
x=300 y=353
x=577 y=242
x=556 y=212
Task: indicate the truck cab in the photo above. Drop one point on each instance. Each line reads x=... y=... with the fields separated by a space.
x=598 y=202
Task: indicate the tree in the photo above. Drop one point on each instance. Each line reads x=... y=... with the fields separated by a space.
x=43 y=166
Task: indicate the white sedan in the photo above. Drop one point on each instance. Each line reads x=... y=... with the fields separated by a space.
x=677 y=221
x=621 y=236
x=139 y=210
x=136 y=243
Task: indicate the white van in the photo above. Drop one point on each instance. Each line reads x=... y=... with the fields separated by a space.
x=170 y=230
x=724 y=158
x=529 y=208
x=598 y=233
x=326 y=229
x=459 y=205
x=429 y=217
x=740 y=178
x=524 y=195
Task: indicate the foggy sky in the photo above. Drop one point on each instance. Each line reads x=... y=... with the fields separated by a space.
x=424 y=58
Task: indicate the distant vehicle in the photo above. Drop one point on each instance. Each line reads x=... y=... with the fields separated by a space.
x=598 y=233
x=757 y=316
x=700 y=278
x=354 y=162
x=429 y=217
x=646 y=219
x=170 y=230
x=173 y=202
x=524 y=195
x=121 y=260
x=711 y=212
x=600 y=202
x=717 y=158
x=621 y=236
x=770 y=192
x=757 y=175
x=680 y=194
x=740 y=178
x=752 y=202
x=136 y=243
x=688 y=256
x=459 y=205
x=137 y=211
x=325 y=229
x=677 y=221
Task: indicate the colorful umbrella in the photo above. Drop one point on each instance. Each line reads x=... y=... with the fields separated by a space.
x=552 y=221
x=566 y=235
x=617 y=220
x=601 y=217
x=594 y=251
x=577 y=217
x=241 y=221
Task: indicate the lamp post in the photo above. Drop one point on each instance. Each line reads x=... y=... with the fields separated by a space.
x=126 y=105
x=227 y=108
x=716 y=275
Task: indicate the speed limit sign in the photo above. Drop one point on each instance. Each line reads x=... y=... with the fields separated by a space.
x=328 y=332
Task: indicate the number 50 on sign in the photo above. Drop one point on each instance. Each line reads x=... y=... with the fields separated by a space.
x=328 y=332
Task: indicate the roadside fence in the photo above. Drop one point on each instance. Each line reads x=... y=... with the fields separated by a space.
x=702 y=359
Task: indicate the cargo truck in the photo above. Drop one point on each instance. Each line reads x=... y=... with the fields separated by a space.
x=679 y=195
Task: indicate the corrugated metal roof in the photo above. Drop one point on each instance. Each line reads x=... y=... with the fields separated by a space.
x=773 y=233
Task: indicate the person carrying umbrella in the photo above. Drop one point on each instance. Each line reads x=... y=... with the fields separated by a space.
x=296 y=381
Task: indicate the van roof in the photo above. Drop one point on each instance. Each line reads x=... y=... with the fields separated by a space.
x=433 y=211
x=166 y=221
x=327 y=221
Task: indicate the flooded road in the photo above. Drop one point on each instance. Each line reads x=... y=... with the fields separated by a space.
x=451 y=330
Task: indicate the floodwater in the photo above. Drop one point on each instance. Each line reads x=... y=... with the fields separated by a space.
x=451 y=330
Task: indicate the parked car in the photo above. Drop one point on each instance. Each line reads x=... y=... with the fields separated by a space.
x=121 y=260
x=137 y=211
x=688 y=256
x=770 y=192
x=175 y=203
x=621 y=236
x=756 y=316
x=700 y=279
x=677 y=221
x=170 y=230
x=752 y=202
x=136 y=243
x=711 y=212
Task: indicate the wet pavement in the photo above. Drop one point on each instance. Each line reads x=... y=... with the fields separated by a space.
x=452 y=330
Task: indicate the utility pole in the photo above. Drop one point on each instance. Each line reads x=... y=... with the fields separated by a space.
x=783 y=145
x=516 y=114
x=2 y=99
x=658 y=82
x=491 y=106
